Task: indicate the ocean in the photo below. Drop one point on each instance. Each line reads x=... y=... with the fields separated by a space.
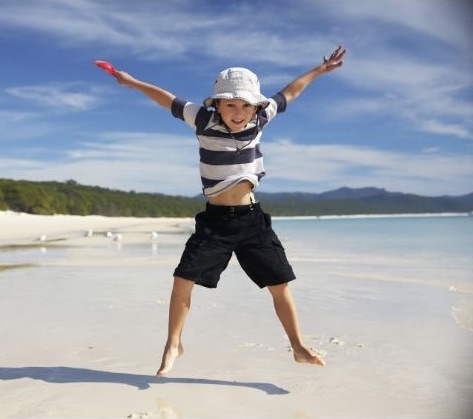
x=433 y=250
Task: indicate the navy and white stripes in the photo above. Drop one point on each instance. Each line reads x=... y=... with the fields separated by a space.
x=227 y=158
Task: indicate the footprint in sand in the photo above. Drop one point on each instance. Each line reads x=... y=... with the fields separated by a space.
x=256 y=346
x=337 y=341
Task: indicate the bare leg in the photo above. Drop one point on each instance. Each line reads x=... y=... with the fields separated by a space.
x=287 y=314
x=178 y=310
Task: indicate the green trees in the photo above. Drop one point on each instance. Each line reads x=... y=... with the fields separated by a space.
x=3 y=203
x=47 y=198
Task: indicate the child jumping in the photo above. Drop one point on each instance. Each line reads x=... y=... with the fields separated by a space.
x=229 y=127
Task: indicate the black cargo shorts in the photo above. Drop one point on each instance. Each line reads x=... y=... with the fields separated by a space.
x=245 y=230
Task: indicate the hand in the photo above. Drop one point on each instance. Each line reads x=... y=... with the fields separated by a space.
x=125 y=79
x=335 y=60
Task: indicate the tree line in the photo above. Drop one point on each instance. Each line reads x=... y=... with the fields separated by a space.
x=48 y=198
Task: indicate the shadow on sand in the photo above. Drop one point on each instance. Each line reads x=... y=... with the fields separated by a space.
x=142 y=382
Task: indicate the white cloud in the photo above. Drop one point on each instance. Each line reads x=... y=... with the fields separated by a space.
x=442 y=128
x=21 y=125
x=59 y=96
x=11 y=117
x=157 y=31
x=406 y=88
x=317 y=168
x=447 y=21
x=149 y=162
x=154 y=162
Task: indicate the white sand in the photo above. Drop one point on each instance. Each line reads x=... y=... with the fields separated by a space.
x=82 y=333
x=19 y=228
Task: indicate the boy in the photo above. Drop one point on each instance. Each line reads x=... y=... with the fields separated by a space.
x=231 y=165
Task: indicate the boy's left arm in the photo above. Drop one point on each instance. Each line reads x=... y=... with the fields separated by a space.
x=298 y=85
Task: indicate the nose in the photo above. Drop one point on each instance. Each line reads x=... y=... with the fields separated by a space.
x=240 y=109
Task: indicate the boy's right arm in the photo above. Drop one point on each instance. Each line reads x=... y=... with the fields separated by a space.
x=160 y=96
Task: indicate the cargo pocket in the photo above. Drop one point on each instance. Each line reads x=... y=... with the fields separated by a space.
x=279 y=249
x=192 y=251
x=267 y=220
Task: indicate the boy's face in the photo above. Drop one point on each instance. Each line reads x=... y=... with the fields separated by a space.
x=235 y=113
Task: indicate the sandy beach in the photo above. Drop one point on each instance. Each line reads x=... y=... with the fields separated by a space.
x=84 y=300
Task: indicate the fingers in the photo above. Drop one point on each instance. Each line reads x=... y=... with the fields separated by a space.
x=338 y=53
x=336 y=57
x=122 y=77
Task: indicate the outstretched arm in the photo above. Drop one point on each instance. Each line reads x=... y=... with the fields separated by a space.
x=298 y=85
x=160 y=96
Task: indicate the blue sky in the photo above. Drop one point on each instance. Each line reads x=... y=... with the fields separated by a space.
x=398 y=115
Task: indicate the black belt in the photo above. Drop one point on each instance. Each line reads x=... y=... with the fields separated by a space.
x=233 y=210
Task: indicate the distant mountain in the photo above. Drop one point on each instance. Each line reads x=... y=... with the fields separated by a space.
x=367 y=200
x=351 y=193
x=337 y=194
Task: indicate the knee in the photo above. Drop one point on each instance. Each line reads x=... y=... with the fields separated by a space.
x=278 y=289
x=182 y=284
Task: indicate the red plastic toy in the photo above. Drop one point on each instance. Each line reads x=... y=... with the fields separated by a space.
x=106 y=66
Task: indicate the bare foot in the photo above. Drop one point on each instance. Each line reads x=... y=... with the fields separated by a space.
x=306 y=356
x=169 y=356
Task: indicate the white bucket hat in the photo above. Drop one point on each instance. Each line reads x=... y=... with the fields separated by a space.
x=237 y=83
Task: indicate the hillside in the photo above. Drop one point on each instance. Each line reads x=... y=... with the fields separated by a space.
x=72 y=198
x=344 y=201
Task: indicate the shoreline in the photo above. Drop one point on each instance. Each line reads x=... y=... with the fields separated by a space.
x=23 y=229
x=363 y=216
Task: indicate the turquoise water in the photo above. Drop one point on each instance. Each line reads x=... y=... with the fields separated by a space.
x=432 y=250
x=441 y=236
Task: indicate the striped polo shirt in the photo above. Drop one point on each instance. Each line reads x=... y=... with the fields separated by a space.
x=227 y=158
